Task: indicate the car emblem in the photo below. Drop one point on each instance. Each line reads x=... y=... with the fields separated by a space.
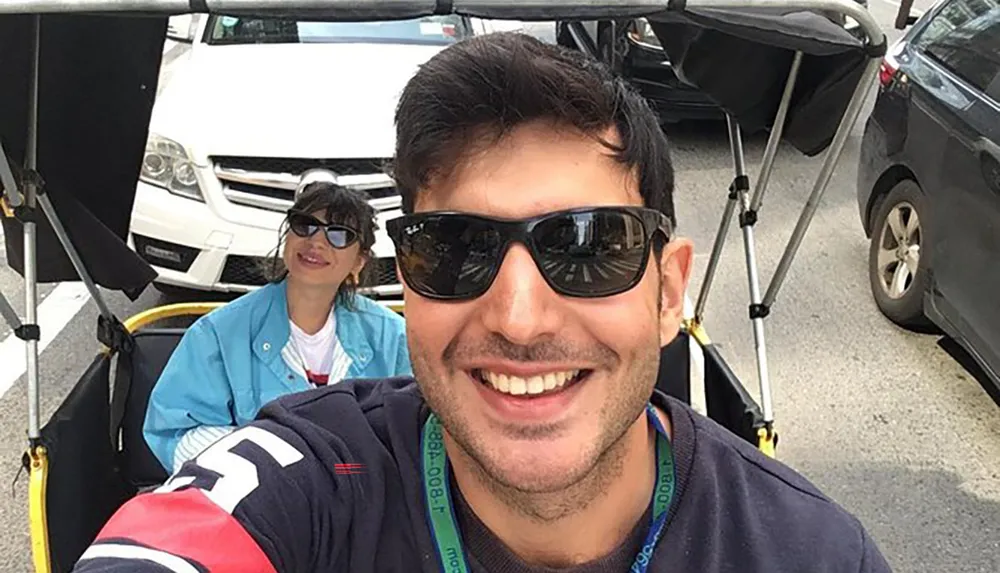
x=314 y=176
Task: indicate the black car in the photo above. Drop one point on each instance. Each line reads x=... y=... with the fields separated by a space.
x=929 y=178
x=639 y=58
x=647 y=68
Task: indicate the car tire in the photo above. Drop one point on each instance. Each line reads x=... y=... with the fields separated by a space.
x=898 y=256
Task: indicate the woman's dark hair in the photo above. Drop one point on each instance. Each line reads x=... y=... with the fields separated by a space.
x=475 y=92
x=341 y=206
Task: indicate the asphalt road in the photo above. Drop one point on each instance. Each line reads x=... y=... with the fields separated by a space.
x=885 y=421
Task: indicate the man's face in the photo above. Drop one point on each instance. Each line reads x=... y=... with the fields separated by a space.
x=475 y=359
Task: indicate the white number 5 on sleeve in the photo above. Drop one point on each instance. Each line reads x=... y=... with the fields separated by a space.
x=238 y=476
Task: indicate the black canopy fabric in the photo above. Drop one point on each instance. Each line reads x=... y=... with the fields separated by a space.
x=98 y=76
x=742 y=58
x=97 y=80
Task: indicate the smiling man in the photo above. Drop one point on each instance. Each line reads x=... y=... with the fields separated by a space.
x=542 y=277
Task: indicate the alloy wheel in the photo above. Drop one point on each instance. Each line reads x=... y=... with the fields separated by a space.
x=899 y=250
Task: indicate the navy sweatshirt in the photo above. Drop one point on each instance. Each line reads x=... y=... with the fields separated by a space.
x=330 y=480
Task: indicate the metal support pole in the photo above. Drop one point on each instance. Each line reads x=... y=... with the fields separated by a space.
x=736 y=148
x=30 y=252
x=31 y=317
x=713 y=261
x=771 y=151
x=727 y=216
x=747 y=221
x=823 y=180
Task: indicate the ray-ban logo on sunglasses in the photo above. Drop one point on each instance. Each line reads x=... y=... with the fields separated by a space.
x=315 y=176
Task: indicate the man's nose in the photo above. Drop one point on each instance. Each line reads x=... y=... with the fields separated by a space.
x=520 y=305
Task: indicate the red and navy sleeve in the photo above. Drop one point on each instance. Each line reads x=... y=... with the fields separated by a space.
x=248 y=503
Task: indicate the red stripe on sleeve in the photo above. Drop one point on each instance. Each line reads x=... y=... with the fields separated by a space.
x=187 y=524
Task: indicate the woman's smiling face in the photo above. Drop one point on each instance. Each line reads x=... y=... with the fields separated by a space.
x=309 y=252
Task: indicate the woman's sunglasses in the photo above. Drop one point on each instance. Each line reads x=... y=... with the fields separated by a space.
x=305 y=226
x=593 y=252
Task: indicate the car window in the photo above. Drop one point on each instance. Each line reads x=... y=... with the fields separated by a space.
x=428 y=30
x=964 y=37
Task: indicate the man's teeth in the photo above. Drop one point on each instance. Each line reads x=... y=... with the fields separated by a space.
x=517 y=386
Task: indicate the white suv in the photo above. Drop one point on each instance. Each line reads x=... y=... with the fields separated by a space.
x=252 y=110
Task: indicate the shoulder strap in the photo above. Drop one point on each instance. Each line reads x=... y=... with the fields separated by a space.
x=113 y=334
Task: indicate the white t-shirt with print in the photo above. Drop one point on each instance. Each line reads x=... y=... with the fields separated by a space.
x=319 y=357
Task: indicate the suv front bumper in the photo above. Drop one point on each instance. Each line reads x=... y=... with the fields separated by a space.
x=192 y=247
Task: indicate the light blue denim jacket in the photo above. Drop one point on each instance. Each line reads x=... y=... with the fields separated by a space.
x=229 y=364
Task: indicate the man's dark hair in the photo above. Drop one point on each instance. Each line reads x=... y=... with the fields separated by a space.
x=475 y=92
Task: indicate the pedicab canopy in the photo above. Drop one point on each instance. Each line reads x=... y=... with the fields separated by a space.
x=98 y=64
x=80 y=138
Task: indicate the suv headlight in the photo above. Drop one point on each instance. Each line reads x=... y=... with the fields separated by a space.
x=642 y=33
x=167 y=164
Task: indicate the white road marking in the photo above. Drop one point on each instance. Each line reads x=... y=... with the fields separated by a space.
x=54 y=313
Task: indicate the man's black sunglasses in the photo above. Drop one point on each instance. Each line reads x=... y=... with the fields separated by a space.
x=305 y=226
x=589 y=252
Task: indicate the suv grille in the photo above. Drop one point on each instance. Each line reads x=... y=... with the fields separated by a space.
x=270 y=182
x=379 y=272
x=243 y=270
x=251 y=271
x=299 y=166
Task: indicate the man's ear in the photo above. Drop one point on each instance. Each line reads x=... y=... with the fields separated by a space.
x=675 y=274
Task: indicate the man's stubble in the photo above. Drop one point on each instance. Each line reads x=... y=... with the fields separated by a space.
x=604 y=460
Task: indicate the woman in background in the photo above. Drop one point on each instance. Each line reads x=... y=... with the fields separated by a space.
x=307 y=328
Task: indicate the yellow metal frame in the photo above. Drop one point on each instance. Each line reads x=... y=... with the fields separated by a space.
x=766 y=441
x=5 y=208
x=766 y=437
x=38 y=456
x=38 y=477
x=696 y=330
x=156 y=314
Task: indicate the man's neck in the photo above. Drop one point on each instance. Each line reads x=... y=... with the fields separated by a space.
x=309 y=308
x=578 y=525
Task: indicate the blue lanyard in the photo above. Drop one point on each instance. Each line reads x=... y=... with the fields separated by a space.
x=441 y=514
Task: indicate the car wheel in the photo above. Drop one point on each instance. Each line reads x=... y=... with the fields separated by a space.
x=898 y=256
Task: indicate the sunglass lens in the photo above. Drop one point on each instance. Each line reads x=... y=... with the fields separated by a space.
x=301 y=225
x=598 y=253
x=340 y=238
x=448 y=256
